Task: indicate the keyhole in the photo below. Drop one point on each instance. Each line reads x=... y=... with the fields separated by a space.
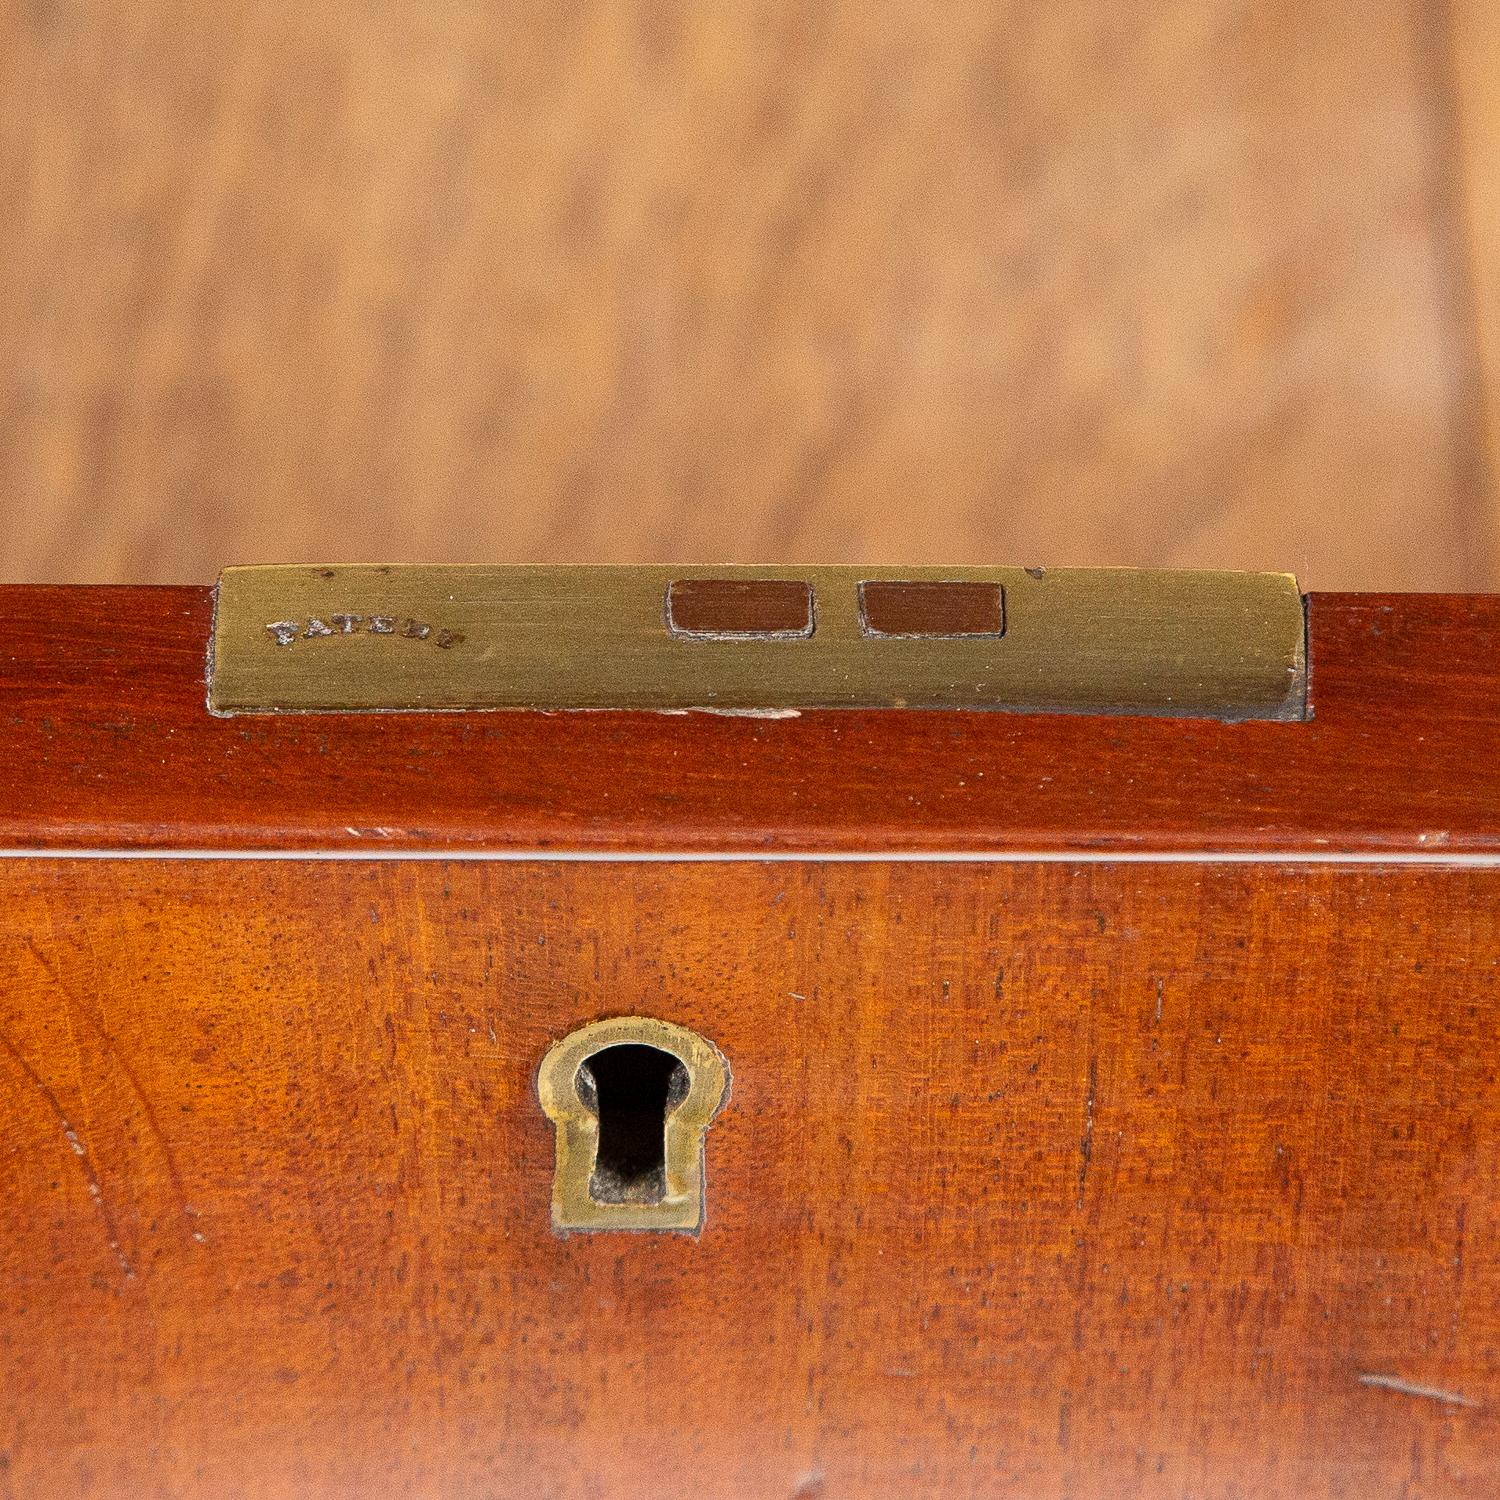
x=630 y=1098
x=632 y=1088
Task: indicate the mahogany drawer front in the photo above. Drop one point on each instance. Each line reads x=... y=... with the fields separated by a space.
x=1036 y=1178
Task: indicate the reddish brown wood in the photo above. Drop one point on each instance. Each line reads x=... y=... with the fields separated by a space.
x=929 y=607
x=1092 y=1180
x=104 y=740
x=717 y=607
x=1042 y=1181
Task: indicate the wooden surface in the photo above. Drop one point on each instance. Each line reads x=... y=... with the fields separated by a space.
x=1054 y=281
x=1109 y=1183
x=105 y=741
x=1474 y=134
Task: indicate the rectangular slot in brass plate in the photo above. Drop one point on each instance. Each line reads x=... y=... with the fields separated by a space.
x=758 y=639
x=716 y=609
x=913 y=609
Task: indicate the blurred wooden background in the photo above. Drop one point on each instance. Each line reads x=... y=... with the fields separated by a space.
x=1032 y=281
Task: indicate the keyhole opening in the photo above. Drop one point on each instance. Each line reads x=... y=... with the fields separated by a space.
x=632 y=1088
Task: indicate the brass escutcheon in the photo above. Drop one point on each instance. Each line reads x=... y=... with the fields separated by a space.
x=603 y=1087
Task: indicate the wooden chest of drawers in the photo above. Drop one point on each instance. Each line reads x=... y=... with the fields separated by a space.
x=1109 y=1104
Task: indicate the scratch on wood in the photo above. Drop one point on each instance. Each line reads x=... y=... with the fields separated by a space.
x=153 y=1122
x=1160 y=985
x=76 y=1146
x=1426 y=1392
x=1086 y=1145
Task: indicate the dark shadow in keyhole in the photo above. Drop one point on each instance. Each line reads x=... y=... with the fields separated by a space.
x=632 y=1088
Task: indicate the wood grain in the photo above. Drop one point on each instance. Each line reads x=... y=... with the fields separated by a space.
x=105 y=741
x=1036 y=1181
x=1474 y=60
x=1051 y=281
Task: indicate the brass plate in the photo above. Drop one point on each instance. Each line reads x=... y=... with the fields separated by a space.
x=1082 y=640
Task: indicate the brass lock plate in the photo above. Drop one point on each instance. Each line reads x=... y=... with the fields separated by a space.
x=366 y=638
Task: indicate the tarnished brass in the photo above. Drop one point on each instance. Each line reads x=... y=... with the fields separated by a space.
x=1084 y=640
x=575 y=1204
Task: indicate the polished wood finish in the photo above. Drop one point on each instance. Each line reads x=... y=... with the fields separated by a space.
x=1036 y=1181
x=1097 y=1178
x=105 y=742
x=1053 y=281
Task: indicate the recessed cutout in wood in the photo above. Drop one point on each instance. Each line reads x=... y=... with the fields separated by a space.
x=918 y=609
x=727 y=609
x=630 y=1099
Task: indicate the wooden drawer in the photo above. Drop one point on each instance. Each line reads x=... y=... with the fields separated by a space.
x=1111 y=1103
